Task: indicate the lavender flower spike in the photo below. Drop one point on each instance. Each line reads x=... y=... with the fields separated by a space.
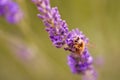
x=10 y=10
x=80 y=61
x=55 y=26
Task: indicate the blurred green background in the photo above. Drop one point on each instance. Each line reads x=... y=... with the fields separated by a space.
x=26 y=53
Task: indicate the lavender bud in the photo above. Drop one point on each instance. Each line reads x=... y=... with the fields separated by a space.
x=80 y=63
x=55 y=26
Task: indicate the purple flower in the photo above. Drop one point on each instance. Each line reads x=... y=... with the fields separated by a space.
x=80 y=60
x=80 y=63
x=10 y=10
x=1 y=11
x=3 y=2
x=76 y=41
x=55 y=26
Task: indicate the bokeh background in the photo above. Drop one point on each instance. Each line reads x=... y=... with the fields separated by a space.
x=26 y=53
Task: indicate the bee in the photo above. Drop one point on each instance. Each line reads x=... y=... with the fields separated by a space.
x=79 y=45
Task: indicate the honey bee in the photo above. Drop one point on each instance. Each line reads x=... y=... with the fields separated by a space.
x=79 y=45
